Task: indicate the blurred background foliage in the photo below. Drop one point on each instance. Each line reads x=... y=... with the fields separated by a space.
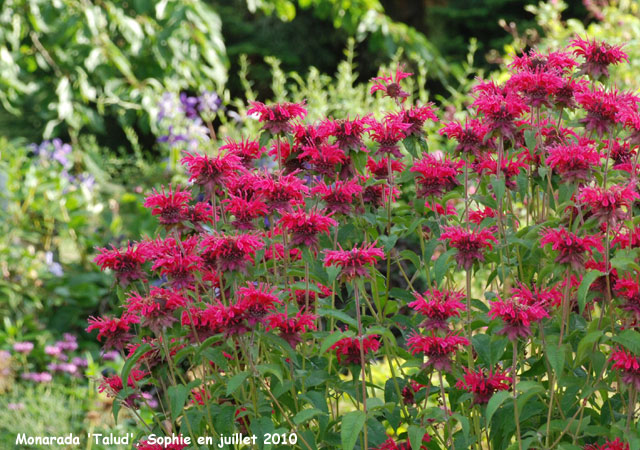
x=93 y=74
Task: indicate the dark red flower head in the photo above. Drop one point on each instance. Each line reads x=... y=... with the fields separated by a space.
x=438 y=350
x=306 y=227
x=114 y=331
x=212 y=172
x=436 y=176
x=571 y=248
x=230 y=252
x=277 y=118
x=629 y=366
x=598 y=56
x=355 y=262
x=168 y=206
x=438 y=306
x=127 y=264
x=390 y=85
x=469 y=244
x=348 y=349
x=573 y=161
x=516 y=316
x=611 y=205
x=483 y=384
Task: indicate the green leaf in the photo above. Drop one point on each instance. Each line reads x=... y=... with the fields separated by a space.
x=235 y=382
x=583 y=290
x=586 y=344
x=630 y=339
x=442 y=264
x=416 y=434
x=132 y=360
x=270 y=368
x=177 y=396
x=495 y=402
x=499 y=187
x=306 y=415
x=556 y=356
x=352 y=424
x=336 y=314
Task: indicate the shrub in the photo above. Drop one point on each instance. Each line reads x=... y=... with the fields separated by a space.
x=493 y=278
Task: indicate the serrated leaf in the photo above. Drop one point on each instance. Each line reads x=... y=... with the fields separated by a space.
x=235 y=382
x=352 y=424
x=177 y=396
x=306 y=415
x=132 y=360
x=630 y=339
x=416 y=434
x=495 y=402
x=583 y=290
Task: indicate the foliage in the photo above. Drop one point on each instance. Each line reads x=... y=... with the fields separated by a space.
x=495 y=276
x=75 y=66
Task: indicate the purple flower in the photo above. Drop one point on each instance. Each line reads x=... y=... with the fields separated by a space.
x=41 y=377
x=80 y=362
x=110 y=355
x=52 y=350
x=23 y=347
x=67 y=346
x=54 y=267
x=209 y=102
x=189 y=105
x=15 y=406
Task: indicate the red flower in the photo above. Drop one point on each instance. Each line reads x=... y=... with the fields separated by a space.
x=483 y=384
x=570 y=248
x=553 y=61
x=390 y=444
x=245 y=149
x=305 y=227
x=610 y=205
x=598 y=56
x=573 y=161
x=436 y=176
x=470 y=137
x=603 y=108
x=115 y=331
x=448 y=210
x=277 y=117
x=388 y=133
x=126 y=264
x=501 y=106
x=629 y=290
x=510 y=167
x=169 y=206
x=301 y=295
x=245 y=210
x=230 y=252
x=409 y=391
x=616 y=444
x=113 y=385
x=212 y=172
x=324 y=158
x=353 y=262
x=438 y=349
x=380 y=169
x=469 y=244
x=156 y=308
x=438 y=306
x=339 y=195
x=416 y=116
x=525 y=295
x=283 y=191
x=629 y=366
x=537 y=86
x=348 y=349
x=291 y=327
x=256 y=302
x=517 y=316
x=178 y=261
x=477 y=216
x=347 y=133
x=630 y=238
x=390 y=85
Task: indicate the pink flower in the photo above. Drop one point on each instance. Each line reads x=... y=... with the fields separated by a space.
x=324 y=158
x=388 y=133
x=629 y=366
x=169 y=206
x=256 y=302
x=536 y=295
x=616 y=444
x=538 y=86
x=127 y=264
x=230 y=252
x=438 y=306
x=391 y=444
x=517 y=316
x=628 y=238
x=469 y=244
x=380 y=169
x=553 y=61
x=277 y=118
x=339 y=195
x=178 y=260
x=305 y=227
x=571 y=248
x=245 y=149
x=629 y=289
x=347 y=133
x=290 y=328
x=283 y=191
x=470 y=137
x=353 y=262
x=245 y=210
x=416 y=116
x=390 y=85
x=598 y=56
x=610 y=205
x=438 y=350
x=348 y=349
x=573 y=161
x=483 y=384
x=436 y=176
x=156 y=308
x=211 y=172
x=23 y=347
x=501 y=106
x=114 y=331
x=603 y=108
